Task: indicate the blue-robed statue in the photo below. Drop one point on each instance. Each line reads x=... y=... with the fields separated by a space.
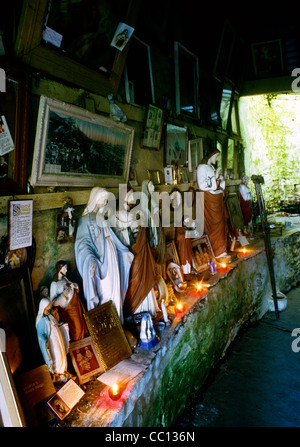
x=103 y=261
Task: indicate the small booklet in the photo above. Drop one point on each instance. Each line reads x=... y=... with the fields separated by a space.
x=65 y=400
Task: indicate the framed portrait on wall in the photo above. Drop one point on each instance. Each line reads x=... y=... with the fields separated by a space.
x=153 y=128
x=267 y=58
x=176 y=145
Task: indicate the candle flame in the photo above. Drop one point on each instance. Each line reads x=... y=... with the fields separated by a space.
x=199 y=286
x=223 y=265
x=179 y=306
x=244 y=250
x=115 y=388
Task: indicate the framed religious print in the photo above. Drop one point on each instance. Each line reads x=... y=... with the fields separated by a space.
x=155 y=176
x=176 y=146
x=234 y=211
x=184 y=175
x=85 y=359
x=153 y=128
x=202 y=252
x=172 y=254
x=74 y=147
x=267 y=58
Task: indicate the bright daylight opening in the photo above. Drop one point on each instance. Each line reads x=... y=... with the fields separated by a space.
x=270 y=128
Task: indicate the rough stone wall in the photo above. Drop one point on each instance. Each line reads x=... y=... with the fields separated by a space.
x=189 y=351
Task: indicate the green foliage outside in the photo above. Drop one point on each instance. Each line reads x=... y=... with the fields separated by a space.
x=270 y=128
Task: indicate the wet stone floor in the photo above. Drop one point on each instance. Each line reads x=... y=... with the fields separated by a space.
x=257 y=383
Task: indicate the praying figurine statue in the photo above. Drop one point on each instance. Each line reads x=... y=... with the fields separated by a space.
x=64 y=296
x=53 y=344
x=215 y=214
x=148 y=335
x=103 y=261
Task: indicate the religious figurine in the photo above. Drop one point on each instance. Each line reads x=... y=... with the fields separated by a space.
x=184 y=246
x=103 y=261
x=175 y=276
x=215 y=214
x=155 y=231
x=140 y=295
x=246 y=204
x=148 y=335
x=64 y=295
x=116 y=113
x=51 y=341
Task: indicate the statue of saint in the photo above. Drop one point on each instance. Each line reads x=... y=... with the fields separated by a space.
x=215 y=214
x=103 y=261
x=52 y=343
x=64 y=296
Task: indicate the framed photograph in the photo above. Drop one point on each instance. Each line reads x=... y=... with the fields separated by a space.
x=184 y=175
x=155 y=176
x=74 y=147
x=168 y=173
x=172 y=254
x=234 y=211
x=176 y=145
x=267 y=58
x=202 y=252
x=153 y=128
x=85 y=359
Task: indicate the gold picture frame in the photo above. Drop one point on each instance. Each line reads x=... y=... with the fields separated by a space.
x=202 y=252
x=107 y=334
x=155 y=176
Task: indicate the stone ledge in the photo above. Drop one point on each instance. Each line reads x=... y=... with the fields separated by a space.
x=194 y=342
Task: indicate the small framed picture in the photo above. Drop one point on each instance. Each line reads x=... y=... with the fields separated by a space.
x=267 y=58
x=155 y=176
x=85 y=359
x=202 y=252
x=172 y=255
x=184 y=175
x=168 y=171
x=153 y=128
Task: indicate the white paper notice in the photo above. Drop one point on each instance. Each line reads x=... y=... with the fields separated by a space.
x=52 y=36
x=123 y=372
x=70 y=393
x=6 y=141
x=20 y=215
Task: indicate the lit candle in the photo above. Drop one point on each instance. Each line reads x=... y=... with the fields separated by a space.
x=199 y=286
x=223 y=265
x=179 y=307
x=244 y=250
x=114 y=391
